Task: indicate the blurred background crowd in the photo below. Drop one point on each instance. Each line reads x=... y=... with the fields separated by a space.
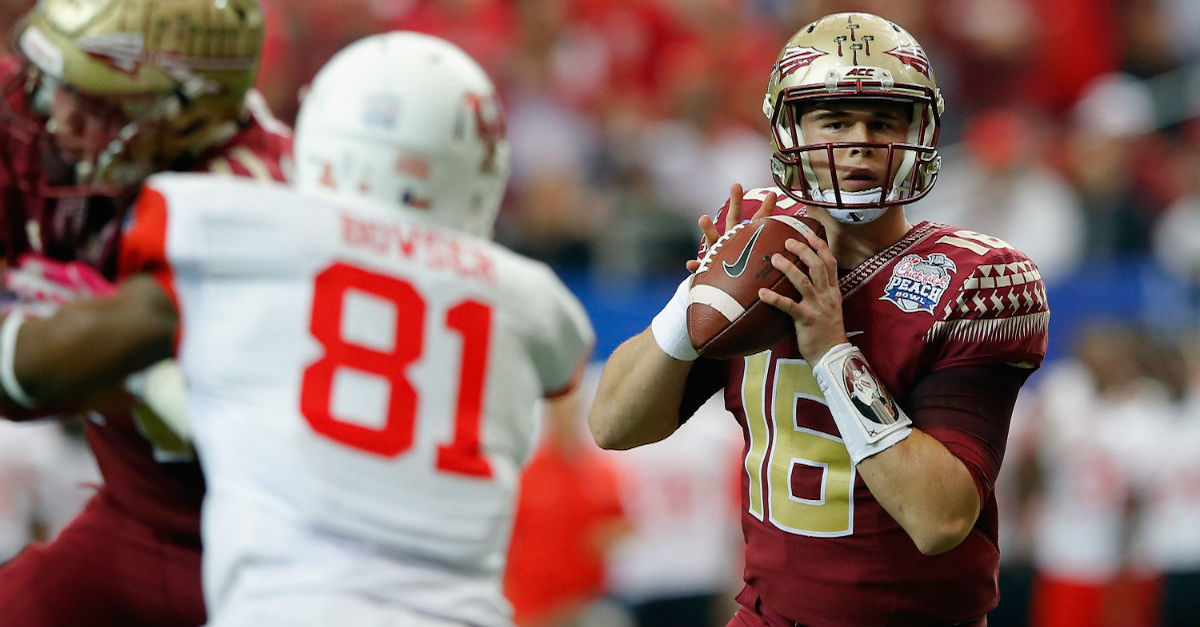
x=1072 y=131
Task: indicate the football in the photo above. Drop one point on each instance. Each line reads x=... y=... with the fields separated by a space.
x=725 y=318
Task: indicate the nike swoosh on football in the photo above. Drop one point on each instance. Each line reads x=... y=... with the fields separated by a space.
x=736 y=269
x=850 y=334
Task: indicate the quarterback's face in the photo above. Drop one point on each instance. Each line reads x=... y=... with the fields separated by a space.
x=863 y=167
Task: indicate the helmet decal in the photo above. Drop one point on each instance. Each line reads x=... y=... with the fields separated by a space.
x=794 y=58
x=381 y=110
x=414 y=166
x=120 y=51
x=857 y=43
x=913 y=56
x=489 y=125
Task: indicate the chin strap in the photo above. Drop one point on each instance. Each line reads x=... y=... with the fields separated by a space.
x=856 y=216
x=869 y=419
x=848 y=213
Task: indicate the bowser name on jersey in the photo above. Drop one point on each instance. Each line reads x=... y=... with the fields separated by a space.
x=428 y=246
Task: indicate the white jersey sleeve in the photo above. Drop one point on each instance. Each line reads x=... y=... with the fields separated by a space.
x=562 y=336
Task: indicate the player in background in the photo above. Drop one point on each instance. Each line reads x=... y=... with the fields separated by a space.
x=677 y=567
x=362 y=361
x=852 y=517
x=563 y=536
x=47 y=475
x=1095 y=419
x=101 y=94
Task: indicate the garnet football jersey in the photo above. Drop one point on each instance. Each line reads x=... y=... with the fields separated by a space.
x=147 y=471
x=820 y=549
x=362 y=389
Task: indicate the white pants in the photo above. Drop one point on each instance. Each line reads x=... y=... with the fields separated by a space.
x=321 y=610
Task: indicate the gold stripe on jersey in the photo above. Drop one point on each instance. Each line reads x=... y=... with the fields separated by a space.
x=257 y=168
x=220 y=165
x=754 y=396
x=989 y=329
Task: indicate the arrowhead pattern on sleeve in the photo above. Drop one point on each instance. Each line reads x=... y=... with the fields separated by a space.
x=997 y=302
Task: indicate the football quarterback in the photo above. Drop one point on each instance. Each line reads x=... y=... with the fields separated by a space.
x=875 y=431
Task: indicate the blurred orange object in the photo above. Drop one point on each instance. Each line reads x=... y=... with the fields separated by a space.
x=999 y=139
x=568 y=515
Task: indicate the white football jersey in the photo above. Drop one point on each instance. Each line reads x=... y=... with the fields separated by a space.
x=362 y=390
x=46 y=476
x=1091 y=448
x=1165 y=537
x=681 y=496
x=24 y=448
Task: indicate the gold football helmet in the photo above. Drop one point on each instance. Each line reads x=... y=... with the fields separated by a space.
x=179 y=71
x=855 y=56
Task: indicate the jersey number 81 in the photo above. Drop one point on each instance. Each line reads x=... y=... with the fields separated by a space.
x=470 y=319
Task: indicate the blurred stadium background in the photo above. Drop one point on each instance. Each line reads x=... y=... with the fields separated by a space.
x=1072 y=130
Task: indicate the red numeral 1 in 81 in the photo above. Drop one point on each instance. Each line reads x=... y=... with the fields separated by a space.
x=470 y=319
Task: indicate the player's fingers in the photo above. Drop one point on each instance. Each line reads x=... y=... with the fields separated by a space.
x=819 y=272
x=768 y=205
x=692 y=265
x=799 y=279
x=802 y=315
x=821 y=247
x=734 y=215
x=709 y=230
x=780 y=302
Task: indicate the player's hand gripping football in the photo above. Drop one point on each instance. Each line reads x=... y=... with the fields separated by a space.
x=669 y=327
x=732 y=218
x=818 y=315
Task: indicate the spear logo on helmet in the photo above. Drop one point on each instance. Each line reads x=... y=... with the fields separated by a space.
x=913 y=56
x=121 y=51
x=795 y=58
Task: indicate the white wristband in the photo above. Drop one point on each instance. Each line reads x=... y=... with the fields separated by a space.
x=869 y=419
x=670 y=325
x=8 y=354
